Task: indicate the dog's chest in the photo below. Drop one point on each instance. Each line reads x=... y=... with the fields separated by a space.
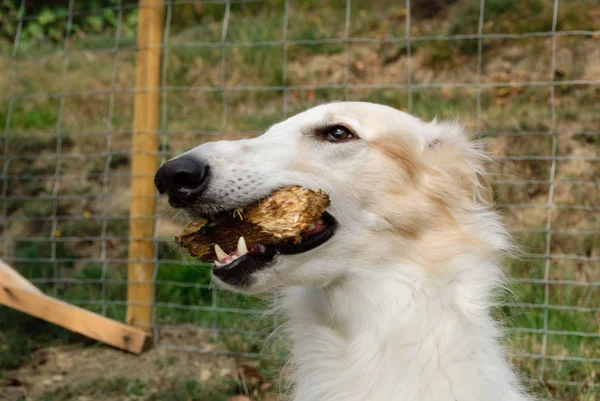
x=375 y=364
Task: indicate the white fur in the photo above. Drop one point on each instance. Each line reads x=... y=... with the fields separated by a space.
x=396 y=306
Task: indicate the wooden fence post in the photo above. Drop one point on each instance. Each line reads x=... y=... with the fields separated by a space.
x=20 y=294
x=144 y=163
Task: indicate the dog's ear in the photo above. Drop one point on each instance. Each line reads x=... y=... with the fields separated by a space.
x=455 y=162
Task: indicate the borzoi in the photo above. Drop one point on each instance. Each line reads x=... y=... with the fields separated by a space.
x=389 y=297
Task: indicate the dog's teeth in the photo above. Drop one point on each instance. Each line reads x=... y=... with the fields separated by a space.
x=221 y=255
x=311 y=227
x=238 y=213
x=242 y=249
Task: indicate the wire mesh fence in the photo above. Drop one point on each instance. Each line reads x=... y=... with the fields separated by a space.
x=523 y=75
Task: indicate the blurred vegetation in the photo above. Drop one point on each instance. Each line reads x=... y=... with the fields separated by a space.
x=48 y=21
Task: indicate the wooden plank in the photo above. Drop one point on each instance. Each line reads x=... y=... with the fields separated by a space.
x=74 y=318
x=9 y=275
x=144 y=163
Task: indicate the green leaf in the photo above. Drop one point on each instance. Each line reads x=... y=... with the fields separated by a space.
x=34 y=30
x=95 y=21
x=54 y=33
x=110 y=16
x=46 y=17
x=8 y=28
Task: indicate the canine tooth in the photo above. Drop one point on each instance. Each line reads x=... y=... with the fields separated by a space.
x=242 y=249
x=311 y=227
x=238 y=212
x=220 y=253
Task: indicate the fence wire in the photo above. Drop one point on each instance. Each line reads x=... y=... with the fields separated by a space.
x=68 y=110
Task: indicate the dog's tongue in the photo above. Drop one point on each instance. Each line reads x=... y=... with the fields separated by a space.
x=315 y=228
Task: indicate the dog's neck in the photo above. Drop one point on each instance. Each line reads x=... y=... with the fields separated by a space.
x=399 y=334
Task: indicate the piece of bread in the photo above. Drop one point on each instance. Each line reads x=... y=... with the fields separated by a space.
x=281 y=217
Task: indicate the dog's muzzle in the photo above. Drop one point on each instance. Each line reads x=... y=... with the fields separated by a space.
x=183 y=179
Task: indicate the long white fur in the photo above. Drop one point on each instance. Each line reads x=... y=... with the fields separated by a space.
x=396 y=306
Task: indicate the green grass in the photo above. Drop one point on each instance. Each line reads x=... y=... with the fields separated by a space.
x=181 y=290
x=21 y=335
x=170 y=390
x=166 y=389
x=534 y=16
x=24 y=334
x=499 y=17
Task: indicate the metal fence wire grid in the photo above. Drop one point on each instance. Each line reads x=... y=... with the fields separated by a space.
x=523 y=75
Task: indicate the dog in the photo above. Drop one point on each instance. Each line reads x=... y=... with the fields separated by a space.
x=389 y=298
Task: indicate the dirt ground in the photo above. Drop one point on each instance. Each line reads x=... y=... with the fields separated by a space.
x=57 y=368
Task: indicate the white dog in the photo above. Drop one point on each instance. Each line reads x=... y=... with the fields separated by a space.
x=389 y=295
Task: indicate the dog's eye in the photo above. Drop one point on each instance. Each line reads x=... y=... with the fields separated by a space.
x=337 y=133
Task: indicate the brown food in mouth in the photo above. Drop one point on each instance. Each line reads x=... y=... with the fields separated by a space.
x=283 y=216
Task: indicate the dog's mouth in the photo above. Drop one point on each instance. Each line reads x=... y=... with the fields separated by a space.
x=235 y=267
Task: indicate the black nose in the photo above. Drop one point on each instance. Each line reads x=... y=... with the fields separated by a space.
x=183 y=179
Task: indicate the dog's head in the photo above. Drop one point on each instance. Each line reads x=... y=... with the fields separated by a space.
x=391 y=178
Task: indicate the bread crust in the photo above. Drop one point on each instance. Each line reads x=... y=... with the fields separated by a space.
x=281 y=217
